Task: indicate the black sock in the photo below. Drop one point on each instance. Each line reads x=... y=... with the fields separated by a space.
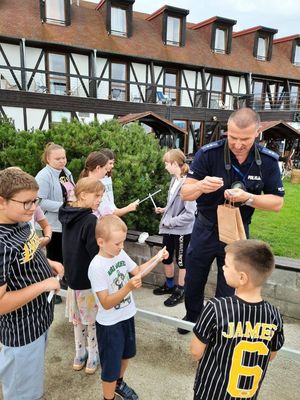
x=119 y=381
x=104 y=398
x=181 y=288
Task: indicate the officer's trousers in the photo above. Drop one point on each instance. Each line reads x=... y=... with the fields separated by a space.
x=203 y=248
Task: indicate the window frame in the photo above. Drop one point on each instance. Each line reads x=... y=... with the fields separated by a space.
x=172 y=42
x=173 y=100
x=67 y=13
x=124 y=20
x=65 y=79
x=113 y=85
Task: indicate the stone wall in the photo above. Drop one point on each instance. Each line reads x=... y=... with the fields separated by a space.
x=282 y=288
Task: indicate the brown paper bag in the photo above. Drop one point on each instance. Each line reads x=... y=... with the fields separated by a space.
x=230 y=223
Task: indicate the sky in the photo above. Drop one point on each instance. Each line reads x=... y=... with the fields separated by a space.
x=283 y=15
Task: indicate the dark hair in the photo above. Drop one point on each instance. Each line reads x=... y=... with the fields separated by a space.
x=48 y=149
x=93 y=160
x=109 y=153
x=245 y=117
x=255 y=255
x=14 y=180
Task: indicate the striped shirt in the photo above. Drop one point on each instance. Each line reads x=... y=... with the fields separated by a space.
x=22 y=263
x=240 y=337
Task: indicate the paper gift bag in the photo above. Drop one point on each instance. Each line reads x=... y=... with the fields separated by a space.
x=230 y=223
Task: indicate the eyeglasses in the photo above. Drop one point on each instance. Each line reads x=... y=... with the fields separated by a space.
x=27 y=204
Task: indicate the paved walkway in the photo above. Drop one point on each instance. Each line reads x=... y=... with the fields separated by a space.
x=162 y=368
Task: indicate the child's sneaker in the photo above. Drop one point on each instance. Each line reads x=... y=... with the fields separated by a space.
x=91 y=366
x=125 y=392
x=79 y=362
x=164 y=289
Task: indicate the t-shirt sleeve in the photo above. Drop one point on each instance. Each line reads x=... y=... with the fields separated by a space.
x=97 y=276
x=6 y=258
x=39 y=214
x=206 y=324
x=278 y=338
x=199 y=166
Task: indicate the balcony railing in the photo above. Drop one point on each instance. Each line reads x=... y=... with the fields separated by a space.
x=42 y=81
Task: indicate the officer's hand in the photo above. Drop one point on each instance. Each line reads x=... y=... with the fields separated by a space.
x=236 y=195
x=210 y=184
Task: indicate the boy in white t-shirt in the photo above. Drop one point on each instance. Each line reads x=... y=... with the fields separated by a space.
x=109 y=275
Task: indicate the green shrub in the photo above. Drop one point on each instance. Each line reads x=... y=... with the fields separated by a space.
x=138 y=170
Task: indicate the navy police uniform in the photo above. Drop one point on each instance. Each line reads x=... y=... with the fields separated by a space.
x=205 y=246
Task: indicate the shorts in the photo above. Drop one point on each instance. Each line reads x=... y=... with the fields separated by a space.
x=177 y=244
x=22 y=370
x=115 y=343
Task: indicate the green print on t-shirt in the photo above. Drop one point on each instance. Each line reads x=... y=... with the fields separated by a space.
x=113 y=268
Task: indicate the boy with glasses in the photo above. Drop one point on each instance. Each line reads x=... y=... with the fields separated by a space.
x=25 y=278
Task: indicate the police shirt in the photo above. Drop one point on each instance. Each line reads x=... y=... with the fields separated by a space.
x=209 y=161
x=23 y=263
x=240 y=337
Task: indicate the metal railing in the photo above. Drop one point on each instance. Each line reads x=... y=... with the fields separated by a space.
x=42 y=81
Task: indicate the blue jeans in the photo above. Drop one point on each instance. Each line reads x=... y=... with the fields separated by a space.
x=22 y=370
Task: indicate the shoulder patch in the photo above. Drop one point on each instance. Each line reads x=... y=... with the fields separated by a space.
x=212 y=145
x=268 y=152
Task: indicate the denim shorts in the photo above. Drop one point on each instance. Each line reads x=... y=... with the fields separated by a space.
x=115 y=343
x=22 y=370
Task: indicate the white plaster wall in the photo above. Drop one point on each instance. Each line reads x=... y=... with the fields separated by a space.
x=39 y=80
x=191 y=81
x=82 y=63
x=12 y=53
x=16 y=114
x=104 y=117
x=102 y=91
x=34 y=118
x=140 y=72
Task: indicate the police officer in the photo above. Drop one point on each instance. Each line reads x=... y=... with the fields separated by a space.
x=236 y=169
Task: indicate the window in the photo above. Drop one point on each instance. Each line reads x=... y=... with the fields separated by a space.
x=220 y=40
x=216 y=95
x=262 y=48
x=258 y=95
x=297 y=55
x=173 y=31
x=294 y=97
x=118 y=90
x=55 y=12
x=118 y=21
x=57 y=84
x=170 y=91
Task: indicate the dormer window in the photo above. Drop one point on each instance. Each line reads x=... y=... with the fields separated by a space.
x=263 y=43
x=262 y=48
x=118 y=21
x=57 y=12
x=173 y=31
x=296 y=53
x=221 y=36
x=173 y=20
x=118 y=17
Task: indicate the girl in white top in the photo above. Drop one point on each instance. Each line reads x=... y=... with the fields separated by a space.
x=107 y=205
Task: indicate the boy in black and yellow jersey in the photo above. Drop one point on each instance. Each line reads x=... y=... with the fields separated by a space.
x=236 y=337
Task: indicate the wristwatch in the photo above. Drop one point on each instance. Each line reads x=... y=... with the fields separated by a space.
x=249 y=202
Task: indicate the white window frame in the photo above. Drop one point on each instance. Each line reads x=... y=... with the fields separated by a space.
x=219 y=46
x=55 y=12
x=297 y=55
x=173 y=31
x=118 y=22
x=262 y=48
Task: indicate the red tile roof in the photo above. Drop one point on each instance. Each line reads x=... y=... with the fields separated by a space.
x=286 y=39
x=88 y=31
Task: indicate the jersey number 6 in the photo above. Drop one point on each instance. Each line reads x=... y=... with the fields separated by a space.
x=238 y=369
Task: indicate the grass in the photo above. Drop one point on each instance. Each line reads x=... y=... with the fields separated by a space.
x=281 y=230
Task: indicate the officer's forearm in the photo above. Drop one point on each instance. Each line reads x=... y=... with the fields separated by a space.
x=191 y=191
x=267 y=202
